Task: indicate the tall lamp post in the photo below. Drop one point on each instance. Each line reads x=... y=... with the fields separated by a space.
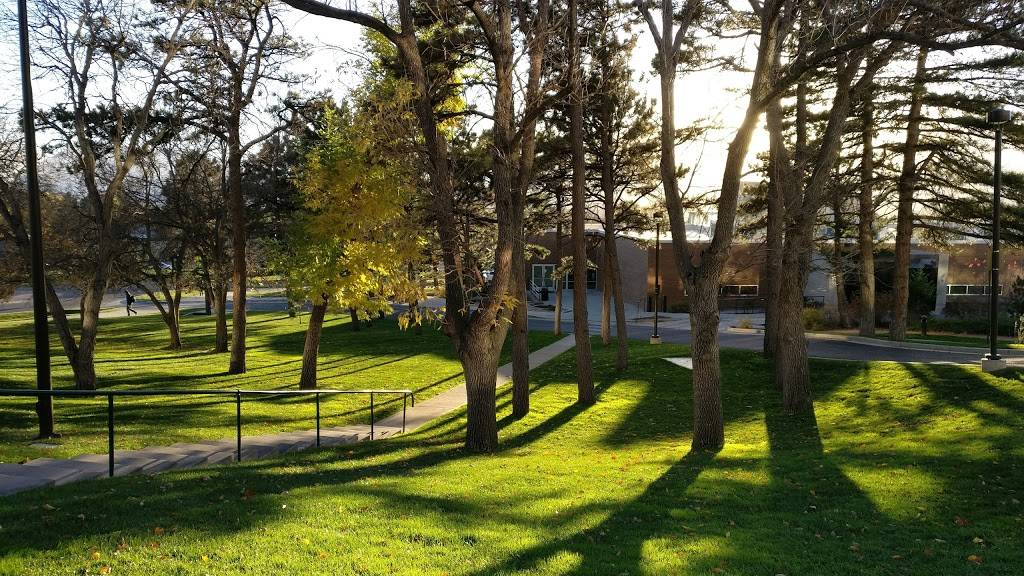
x=991 y=362
x=656 y=338
x=44 y=404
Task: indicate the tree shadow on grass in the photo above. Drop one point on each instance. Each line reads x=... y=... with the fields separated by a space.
x=795 y=509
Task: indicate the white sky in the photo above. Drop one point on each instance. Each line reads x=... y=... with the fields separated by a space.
x=334 y=46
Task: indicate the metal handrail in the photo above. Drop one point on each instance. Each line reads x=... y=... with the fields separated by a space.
x=237 y=394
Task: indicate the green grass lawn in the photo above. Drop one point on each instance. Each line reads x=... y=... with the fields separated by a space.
x=903 y=469
x=132 y=355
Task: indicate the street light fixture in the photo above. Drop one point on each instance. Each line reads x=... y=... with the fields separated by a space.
x=992 y=362
x=658 y=216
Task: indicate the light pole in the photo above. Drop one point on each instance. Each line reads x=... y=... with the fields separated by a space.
x=44 y=405
x=656 y=338
x=991 y=362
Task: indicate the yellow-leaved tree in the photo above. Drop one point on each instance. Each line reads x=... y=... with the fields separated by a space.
x=353 y=246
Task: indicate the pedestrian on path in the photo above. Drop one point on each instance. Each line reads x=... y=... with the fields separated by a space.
x=128 y=301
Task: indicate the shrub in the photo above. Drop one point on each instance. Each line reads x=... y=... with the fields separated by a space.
x=745 y=324
x=814 y=319
x=967 y=308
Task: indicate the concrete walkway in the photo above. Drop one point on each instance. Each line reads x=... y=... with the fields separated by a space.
x=53 y=472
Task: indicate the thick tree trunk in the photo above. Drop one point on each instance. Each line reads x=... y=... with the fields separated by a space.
x=581 y=327
x=866 y=222
x=479 y=357
x=905 y=207
x=804 y=199
x=353 y=316
x=90 y=312
x=239 y=272
x=708 y=422
x=792 y=373
x=307 y=380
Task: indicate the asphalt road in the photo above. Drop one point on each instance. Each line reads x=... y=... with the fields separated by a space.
x=816 y=348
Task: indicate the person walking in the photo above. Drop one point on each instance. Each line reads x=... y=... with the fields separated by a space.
x=128 y=301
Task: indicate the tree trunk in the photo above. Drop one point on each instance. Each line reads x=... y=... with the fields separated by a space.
x=839 y=261
x=168 y=309
x=536 y=44
x=774 y=235
x=792 y=373
x=307 y=381
x=866 y=222
x=606 y=302
x=905 y=209
x=60 y=321
x=621 y=337
x=220 y=297
x=239 y=273
x=581 y=328
x=559 y=282
x=708 y=422
x=479 y=358
x=353 y=315
x=608 y=196
x=804 y=200
x=91 y=302
x=612 y=277
x=520 y=344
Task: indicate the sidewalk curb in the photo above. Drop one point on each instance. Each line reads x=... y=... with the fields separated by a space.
x=918 y=346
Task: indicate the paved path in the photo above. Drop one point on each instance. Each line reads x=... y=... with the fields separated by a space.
x=53 y=472
x=817 y=348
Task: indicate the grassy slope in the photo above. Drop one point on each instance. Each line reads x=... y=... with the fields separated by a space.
x=132 y=354
x=905 y=470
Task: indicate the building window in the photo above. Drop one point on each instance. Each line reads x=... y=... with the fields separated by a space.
x=543 y=276
x=969 y=289
x=738 y=290
x=591 y=280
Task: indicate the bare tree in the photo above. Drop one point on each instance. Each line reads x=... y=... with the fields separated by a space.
x=96 y=49
x=238 y=48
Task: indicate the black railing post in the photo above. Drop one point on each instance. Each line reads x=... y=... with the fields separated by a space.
x=238 y=424
x=110 y=434
x=371 y=416
x=404 y=397
x=317 y=419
